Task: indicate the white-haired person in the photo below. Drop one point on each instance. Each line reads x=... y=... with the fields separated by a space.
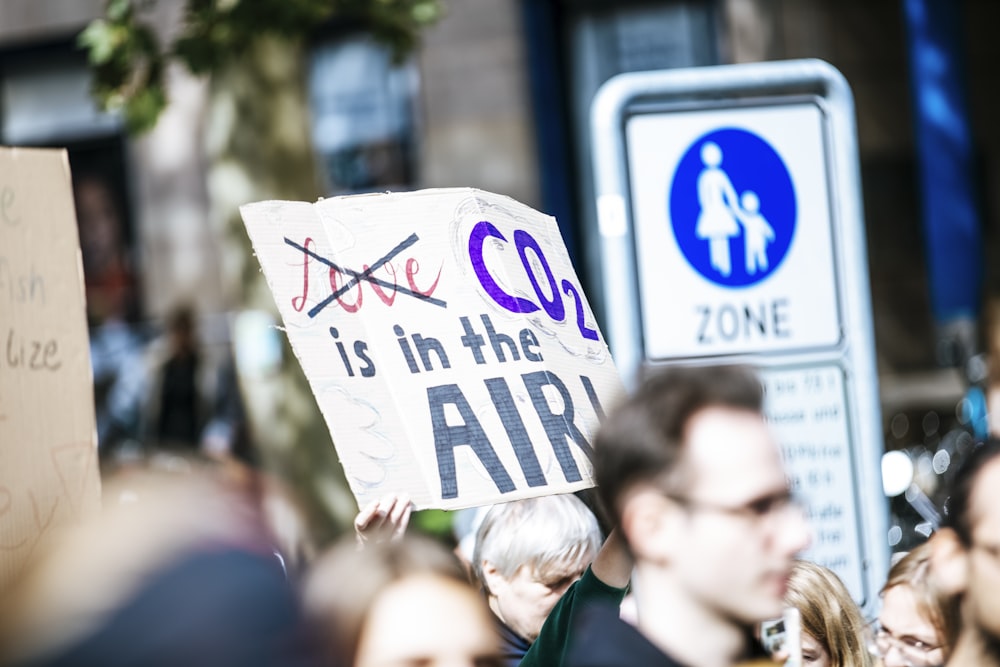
x=532 y=554
x=539 y=560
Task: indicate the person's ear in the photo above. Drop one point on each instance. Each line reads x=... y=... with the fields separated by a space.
x=493 y=580
x=949 y=562
x=649 y=522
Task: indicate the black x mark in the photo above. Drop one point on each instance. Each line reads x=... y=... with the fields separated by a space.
x=365 y=275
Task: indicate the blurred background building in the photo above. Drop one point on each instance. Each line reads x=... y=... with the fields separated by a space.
x=497 y=96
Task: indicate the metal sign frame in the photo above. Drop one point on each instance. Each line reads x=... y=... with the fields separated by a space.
x=753 y=86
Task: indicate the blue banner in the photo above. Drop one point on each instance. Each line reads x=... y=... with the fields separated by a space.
x=945 y=159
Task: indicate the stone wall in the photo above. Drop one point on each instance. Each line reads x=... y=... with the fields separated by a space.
x=476 y=112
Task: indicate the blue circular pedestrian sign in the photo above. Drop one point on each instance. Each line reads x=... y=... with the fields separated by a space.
x=732 y=207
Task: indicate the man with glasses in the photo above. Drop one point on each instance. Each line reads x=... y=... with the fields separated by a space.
x=697 y=487
x=966 y=559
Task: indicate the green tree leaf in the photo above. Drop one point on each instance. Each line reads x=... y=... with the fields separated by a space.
x=127 y=60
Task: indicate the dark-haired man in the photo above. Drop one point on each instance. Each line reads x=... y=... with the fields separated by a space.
x=697 y=486
x=966 y=560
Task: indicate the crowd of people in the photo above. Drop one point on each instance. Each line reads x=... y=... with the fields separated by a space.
x=700 y=558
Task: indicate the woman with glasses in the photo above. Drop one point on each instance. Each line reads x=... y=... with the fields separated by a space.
x=918 y=622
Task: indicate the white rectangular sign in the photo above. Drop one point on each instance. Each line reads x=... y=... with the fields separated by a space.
x=807 y=410
x=733 y=232
x=446 y=338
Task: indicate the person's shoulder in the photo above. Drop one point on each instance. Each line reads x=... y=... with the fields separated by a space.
x=601 y=639
x=590 y=580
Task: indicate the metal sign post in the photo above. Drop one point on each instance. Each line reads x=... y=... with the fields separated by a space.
x=730 y=214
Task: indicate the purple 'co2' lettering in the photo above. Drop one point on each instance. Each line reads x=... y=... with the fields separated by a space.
x=523 y=241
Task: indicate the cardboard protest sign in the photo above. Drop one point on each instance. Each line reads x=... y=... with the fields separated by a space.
x=48 y=443
x=446 y=338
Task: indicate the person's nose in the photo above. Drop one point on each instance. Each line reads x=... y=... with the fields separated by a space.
x=563 y=587
x=796 y=534
x=894 y=657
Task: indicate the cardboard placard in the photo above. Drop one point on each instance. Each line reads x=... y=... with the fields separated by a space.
x=446 y=338
x=48 y=443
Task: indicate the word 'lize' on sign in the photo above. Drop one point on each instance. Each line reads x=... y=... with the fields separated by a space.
x=49 y=476
x=446 y=338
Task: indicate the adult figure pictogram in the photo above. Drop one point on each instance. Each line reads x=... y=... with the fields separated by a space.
x=717 y=222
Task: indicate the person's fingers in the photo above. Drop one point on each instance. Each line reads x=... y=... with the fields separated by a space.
x=400 y=504
x=364 y=517
x=386 y=517
x=383 y=512
x=404 y=520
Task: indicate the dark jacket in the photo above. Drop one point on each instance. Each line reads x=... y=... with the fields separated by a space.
x=554 y=640
x=601 y=639
x=512 y=645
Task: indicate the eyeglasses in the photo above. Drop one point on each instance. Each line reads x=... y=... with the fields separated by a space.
x=755 y=512
x=915 y=652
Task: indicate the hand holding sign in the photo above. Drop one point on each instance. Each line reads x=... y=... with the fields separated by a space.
x=383 y=519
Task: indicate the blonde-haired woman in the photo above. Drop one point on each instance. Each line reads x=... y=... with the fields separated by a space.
x=833 y=629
